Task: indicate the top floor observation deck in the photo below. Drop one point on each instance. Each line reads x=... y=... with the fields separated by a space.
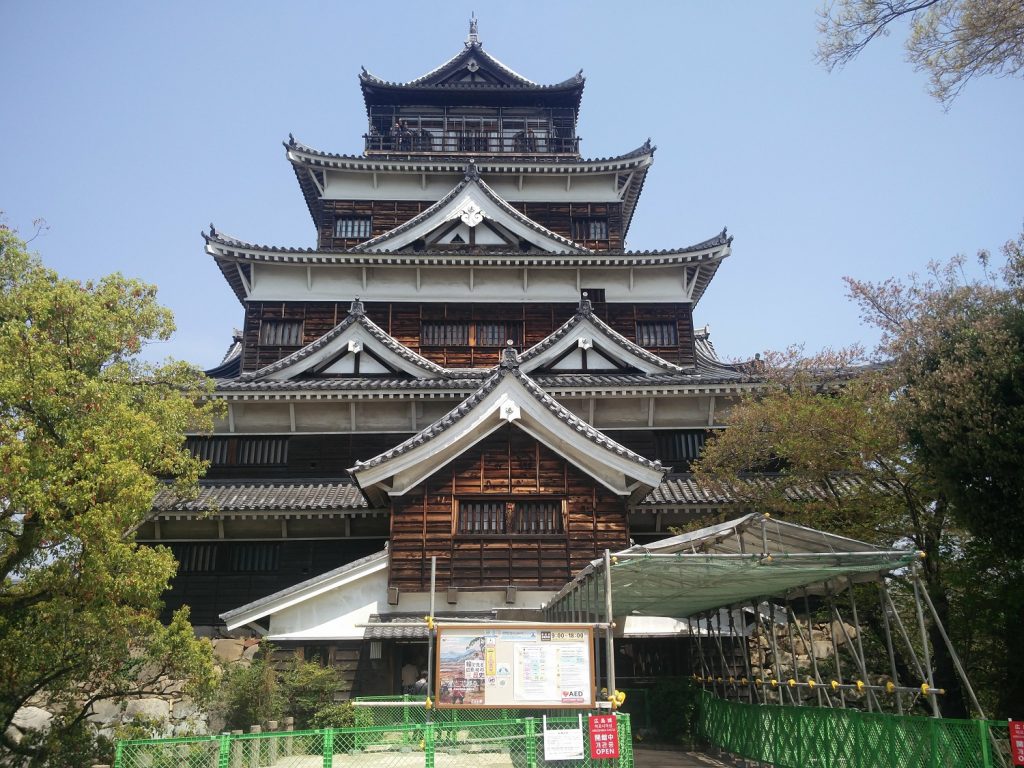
x=538 y=131
x=472 y=105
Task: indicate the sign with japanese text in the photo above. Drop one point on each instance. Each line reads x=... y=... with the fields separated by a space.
x=604 y=736
x=563 y=743
x=1017 y=741
x=522 y=666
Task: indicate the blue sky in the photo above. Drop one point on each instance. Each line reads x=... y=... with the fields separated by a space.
x=130 y=126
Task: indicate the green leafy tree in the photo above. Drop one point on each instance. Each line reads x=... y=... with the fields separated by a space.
x=926 y=445
x=952 y=40
x=85 y=431
x=955 y=352
x=843 y=464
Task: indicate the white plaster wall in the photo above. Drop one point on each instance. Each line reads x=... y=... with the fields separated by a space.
x=260 y=417
x=359 y=185
x=336 y=613
x=681 y=412
x=280 y=282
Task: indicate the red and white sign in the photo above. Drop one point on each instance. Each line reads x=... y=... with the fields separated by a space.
x=604 y=736
x=1017 y=741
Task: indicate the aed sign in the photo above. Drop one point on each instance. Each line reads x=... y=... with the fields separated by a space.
x=604 y=737
x=1017 y=741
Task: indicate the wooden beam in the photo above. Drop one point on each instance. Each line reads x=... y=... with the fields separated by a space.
x=291 y=415
x=711 y=411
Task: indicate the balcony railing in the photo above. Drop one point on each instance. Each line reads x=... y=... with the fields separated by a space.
x=423 y=141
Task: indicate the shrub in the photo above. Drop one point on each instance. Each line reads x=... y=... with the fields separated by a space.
x=674 y=709
x=249 y=695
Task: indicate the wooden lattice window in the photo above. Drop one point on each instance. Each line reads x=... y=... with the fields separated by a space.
x=255 y=557
x=657 y=333
x=488 y=517
x=195 y=558
x=590 y=229
x=498 y=334
x=244 y=451
x=444 y=334
x=682 y=445
x=538 y=517
x=353 y=227
x=281 y=333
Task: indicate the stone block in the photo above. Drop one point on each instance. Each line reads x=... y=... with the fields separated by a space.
x=31 y=719
x=152 y=708
x=228 y=650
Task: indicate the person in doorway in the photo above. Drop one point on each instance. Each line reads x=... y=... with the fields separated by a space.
x=419 y=688
x=409 y=675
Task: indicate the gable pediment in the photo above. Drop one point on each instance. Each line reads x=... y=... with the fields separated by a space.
x=472 y=214
x=585 y=343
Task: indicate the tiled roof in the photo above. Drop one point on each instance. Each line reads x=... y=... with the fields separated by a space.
x=243 y=609
x=681 y=489
x=475 y=50
x=228 y=496
x=491 y=164
x=383 y=625
x=472 y=380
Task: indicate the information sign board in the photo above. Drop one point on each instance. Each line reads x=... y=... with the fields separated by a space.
x=522 y=666
x=604 y=736
x=563 y=743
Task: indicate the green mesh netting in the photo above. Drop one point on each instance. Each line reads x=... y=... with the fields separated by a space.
x=684 y=585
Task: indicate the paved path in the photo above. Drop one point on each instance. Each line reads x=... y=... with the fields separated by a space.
x=665 y=758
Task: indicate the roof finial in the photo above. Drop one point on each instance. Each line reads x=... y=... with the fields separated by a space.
x=509 y=358
x=474 y=38
x=357 y=308
x=472 y=172
x=585 y=307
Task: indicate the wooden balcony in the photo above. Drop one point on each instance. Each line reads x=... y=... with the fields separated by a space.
x=542 y=144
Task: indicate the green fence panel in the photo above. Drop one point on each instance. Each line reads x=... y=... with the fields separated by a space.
x=799 y=736
x=417 y=738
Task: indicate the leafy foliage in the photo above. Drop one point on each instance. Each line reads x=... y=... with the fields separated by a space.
x=926 y=446
x=85 y=431
x=254 y=694
x=250 y=695
x=952 y=40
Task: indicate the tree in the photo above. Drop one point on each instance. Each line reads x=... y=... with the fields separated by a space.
x=824 y=429
x=86 y=430
x=927 y=444
x=952 y=40
x=955 y=351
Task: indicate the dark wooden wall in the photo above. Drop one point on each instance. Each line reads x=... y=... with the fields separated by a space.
x=507 y=464
x=403 y=321
x=319 y=456
x=330 y=456
x=385 y=215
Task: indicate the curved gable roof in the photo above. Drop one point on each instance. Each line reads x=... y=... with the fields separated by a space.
x=508 y=396
x=586 y=325
x=471 y=196
x=359 y=329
